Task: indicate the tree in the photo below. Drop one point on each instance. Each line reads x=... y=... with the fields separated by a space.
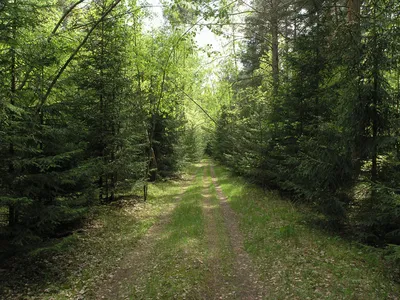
x=320 y=125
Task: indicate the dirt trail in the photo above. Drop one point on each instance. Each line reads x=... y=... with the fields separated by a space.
x=117 y=287
x=246 y=276
x=228 y=270
x=211 y=235
x=219 y=284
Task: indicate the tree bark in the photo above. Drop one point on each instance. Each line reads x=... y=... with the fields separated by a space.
x=353 y=12
x=275 y=47
x=12 y=210
x=375 y=103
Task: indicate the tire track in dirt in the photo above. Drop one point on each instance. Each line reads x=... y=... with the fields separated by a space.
x=219 y=285
x=246 y=276
x=137 y=262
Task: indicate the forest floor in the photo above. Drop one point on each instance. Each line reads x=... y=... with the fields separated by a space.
x=210 y=235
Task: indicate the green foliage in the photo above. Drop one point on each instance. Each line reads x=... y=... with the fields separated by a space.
x=330 y=129
x=393 y=257
x=65 y=267
x=295 y=258
x=86 y=97
x=384 y=223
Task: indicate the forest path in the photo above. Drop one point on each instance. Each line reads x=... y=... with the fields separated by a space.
x=117 y=287
x=191 y=241
x=195 y=251
x=247 y=278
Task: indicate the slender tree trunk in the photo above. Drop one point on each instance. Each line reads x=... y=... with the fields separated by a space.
x=107 y=190
x=155 y=104
x=287 y=46
x=375 y=103
x=234 y=51
x=397 y=111
x=353 y=12
x=101 y=188
x=319 y=62
x=12 y=210
x=103 y=182
x=139 y=87
x=112 y=154
x=275 y=47
x=40 y=111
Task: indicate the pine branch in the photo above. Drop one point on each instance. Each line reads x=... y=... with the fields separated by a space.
x=54 y=31
x=72 y=56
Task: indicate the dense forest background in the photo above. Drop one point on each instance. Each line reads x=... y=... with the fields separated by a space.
x=93 y=106
x=315 y=110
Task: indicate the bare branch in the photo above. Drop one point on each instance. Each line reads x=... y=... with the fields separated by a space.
x=64 y=16
x=195 y=102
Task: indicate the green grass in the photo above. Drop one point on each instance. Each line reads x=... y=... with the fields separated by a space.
x=180 y=265
x=177 y=269
x=226 y=256
x=75 y=265
x=298 y=261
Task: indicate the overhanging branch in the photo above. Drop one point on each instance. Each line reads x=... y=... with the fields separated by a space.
x=72 y=56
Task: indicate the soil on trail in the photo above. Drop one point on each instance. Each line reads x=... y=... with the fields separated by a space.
x=118 y=285
x=219 y=279
x=246 y=275
x=221 y=270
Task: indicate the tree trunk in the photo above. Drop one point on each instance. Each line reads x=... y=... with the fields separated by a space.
x=153 y=166
x=102 y=182
x=353 y=14
x=101 y=188
x=353 y=11
x=12 y=216
x=113 y=174
x=12 y=210
x=375 y=103
x=275 y=47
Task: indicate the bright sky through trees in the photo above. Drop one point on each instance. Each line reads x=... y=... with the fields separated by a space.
x=204 y=36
